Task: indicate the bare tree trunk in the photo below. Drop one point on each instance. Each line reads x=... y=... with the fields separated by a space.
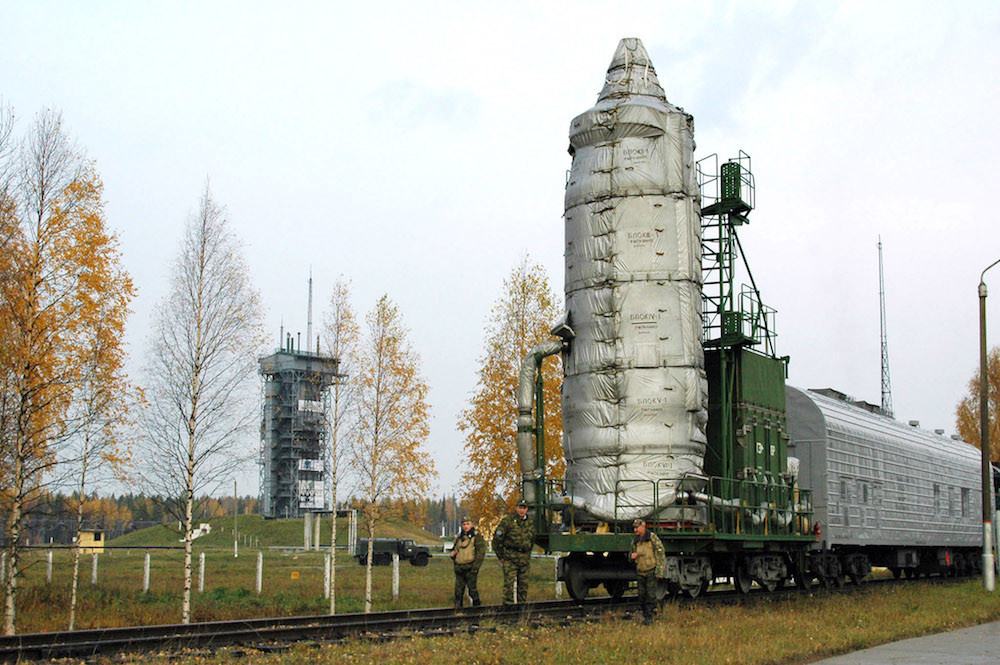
x=333 y=532
x=188 y=510
x=76 y=542
x=368 y=566
x=14 y=530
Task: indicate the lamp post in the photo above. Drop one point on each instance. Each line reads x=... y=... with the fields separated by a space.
x=984 y=438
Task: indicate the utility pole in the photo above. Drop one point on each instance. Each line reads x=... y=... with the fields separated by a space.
x=989 y=580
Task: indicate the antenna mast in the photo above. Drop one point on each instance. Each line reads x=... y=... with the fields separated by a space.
x=309 y=316
x=886 y=386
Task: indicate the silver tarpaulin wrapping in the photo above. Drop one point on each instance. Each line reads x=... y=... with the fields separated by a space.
x=635 y=394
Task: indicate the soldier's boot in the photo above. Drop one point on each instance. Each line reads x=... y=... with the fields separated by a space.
x=647 y=614
x=475 y=600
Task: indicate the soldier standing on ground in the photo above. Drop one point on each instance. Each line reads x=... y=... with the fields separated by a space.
x=512 y=542
x=467 y=554
x=650 y=565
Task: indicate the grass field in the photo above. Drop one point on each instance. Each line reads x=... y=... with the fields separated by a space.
x=292 y=584
x=765 y=633
x=253 y=529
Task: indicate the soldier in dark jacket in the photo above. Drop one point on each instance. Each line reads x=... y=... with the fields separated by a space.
x=512 y=542
x=650 y=565
x=468 y=554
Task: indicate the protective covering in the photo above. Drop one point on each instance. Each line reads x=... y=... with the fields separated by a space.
x=635 y=393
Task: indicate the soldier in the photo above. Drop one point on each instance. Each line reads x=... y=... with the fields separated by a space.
x=512 y=542
x=467 y=554
x=650 y=566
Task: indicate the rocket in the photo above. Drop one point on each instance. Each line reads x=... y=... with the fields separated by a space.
x=634 y=393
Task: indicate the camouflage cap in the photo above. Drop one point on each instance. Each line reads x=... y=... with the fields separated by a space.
x=638 y=522
x=466 y=518
x=522 y=502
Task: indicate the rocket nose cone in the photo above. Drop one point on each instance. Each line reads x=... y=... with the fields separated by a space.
x=631 y=72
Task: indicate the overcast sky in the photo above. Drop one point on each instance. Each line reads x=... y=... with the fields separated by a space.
x=419 y=149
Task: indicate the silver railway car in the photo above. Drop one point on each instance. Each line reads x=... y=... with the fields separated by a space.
x=884 y=493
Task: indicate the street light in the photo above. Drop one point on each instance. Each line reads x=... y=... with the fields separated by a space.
x=984 y=438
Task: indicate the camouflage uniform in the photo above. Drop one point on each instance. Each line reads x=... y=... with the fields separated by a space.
x=467 y=572
x=512 y=542
x=650 y=566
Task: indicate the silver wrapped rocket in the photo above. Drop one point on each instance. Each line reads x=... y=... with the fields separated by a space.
x=635 y=395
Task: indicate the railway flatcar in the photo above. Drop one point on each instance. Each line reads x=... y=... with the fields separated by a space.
x=674 y=402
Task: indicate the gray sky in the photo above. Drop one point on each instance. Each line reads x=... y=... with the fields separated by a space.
x=420 y=150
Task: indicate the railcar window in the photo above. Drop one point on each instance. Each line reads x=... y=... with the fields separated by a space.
x=965 y=502
x=937 y=499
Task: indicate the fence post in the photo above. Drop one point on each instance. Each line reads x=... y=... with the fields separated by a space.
x=395 y=576
x=352 y=532
x=3 y=567
x=260 y=571
x=145 y=574
x=326 y=575
x=93 y=571
x=558 y=581
x=48 y=567
x=315 y=538
x=201 y=572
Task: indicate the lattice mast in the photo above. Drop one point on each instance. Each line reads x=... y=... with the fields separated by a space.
x=886 y=385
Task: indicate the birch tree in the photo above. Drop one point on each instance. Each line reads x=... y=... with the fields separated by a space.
x=201 y=371
x=341 y=332
x=103 y=407
x=967 y=411
x=522 y=316
x=59 y=265
x=387 y=453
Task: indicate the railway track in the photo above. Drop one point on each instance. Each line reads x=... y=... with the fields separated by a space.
x=213 y=634
x=270 y=633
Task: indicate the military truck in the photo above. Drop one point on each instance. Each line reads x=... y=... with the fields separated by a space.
x=384 y=548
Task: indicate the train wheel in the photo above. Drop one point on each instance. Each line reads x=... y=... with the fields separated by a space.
x=896 y=572
x=695 y=590
x=664 y=590
x=615 y=588
x=741 y=579
x=576 y=584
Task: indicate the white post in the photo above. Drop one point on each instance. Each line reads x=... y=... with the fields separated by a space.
x=48 y=567
x=516 y=599
x=315 y=538
x=558 y=581
x=93 y=571
x=307 y=531
x=145 y=574
x=260 y=572
x=326 y=575
x=352 y=532
x=3 y=567
x=201 y=573
x=395 y=576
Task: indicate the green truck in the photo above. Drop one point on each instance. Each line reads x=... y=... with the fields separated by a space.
x=384 y=548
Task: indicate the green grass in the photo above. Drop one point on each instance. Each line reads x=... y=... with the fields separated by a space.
x=254 y=529
x=766 y=633
x=230 y=587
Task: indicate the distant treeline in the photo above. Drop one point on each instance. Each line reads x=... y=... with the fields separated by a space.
x=53 y=518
